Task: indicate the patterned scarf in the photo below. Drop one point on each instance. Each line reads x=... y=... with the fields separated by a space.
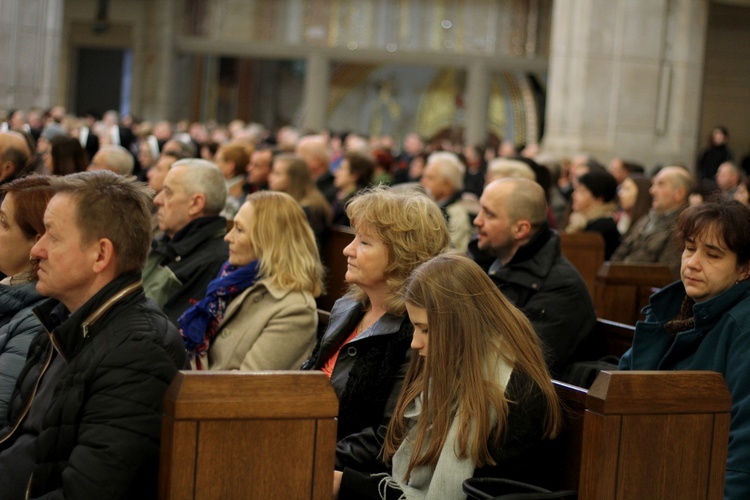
x=198 y=324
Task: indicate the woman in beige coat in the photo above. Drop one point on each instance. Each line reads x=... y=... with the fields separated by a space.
x=260 y=312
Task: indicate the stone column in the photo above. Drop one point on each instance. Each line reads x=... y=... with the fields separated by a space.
x=625 y=79
x=316 y=92
x=477 y=101
x=165 y=19
x=31 y=39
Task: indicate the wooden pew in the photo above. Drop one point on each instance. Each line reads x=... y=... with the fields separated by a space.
x=269 y=435
x=655 y=435
x=622 y=289
x=585 y=251
x=334 y=242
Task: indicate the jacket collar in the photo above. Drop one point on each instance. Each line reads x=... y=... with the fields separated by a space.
x=68 y=331
x=345 y=315
x=665 y=303
x=532 y=261
x=192 y=236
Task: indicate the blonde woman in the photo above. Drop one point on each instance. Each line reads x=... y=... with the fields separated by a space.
x=260 y=312
x=365 y=350
x=477 y=395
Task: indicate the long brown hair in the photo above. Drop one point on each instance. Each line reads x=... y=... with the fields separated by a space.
x=471 y=326
x=302 y=187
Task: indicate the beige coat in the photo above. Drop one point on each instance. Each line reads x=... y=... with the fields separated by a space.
x=265 y=328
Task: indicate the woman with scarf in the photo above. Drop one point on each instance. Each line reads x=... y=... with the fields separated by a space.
x=259 y=313
x=702 y=322
x=477 y=397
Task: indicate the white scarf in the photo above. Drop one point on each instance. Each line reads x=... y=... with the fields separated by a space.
x=445 y=481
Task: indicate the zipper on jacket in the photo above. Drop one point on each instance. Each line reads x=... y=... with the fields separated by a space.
x=31 y=398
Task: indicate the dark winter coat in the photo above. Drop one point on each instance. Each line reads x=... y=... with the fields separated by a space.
x=100 y=435
x=369 y=371
x=179 y=269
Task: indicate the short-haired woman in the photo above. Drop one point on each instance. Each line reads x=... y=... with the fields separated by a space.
x=702 y=322
x=365 y=350
x=260 y=312
x=21 y=223
x=477 y=394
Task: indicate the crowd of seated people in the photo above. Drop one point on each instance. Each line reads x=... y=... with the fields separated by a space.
x=231 y=285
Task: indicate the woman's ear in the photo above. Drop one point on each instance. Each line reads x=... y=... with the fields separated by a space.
x=744 y=272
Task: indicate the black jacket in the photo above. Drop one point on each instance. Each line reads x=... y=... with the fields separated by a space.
x=550 y=292
x=520 y=455
x=179 y=269
x=368 y=374
x=100 y=434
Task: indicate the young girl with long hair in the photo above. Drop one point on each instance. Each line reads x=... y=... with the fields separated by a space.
x=477 y=394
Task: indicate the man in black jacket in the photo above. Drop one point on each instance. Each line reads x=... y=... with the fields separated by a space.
x=192 y=249
x=529 y=267
x=85 y=419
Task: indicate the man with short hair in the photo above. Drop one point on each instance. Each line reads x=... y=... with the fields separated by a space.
x=652 y=238
x=443 y=179
x=192 y=249
x=259 y=169
x=85 y=419
x=530 y=269
x=116 y=159
x=14 y=155
x=313 y=149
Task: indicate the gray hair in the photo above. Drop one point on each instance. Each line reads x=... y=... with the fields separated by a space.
x=449 y=167
x=119 y=158
x=204 y=177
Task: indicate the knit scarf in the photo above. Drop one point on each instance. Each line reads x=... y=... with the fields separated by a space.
x=199 y=323
x=445 y=479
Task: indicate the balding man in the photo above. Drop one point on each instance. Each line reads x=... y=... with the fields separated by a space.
x=192 y=249
x=114 y=158
x=443 y=179
x=652 y=238
x=313 y=149
x=14 y=155
x=728 y=178
x=529 y=267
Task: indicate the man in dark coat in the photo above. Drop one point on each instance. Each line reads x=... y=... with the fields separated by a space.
x=529 y=268
x=192 y=249
x=85 y=419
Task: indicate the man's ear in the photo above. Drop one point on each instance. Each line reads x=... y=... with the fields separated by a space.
x=521 y=230
x=105 y=255
x=197 y=204
x=7 y=169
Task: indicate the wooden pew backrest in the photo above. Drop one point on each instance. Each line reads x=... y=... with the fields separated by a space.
x=646 y=435
x=622 y=289
x=586 y=252
x=248 y=435
x=335 y=240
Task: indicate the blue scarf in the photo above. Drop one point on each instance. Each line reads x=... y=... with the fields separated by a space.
x=198 y=325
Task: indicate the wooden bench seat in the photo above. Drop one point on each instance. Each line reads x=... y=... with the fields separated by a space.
x=248 y=435
x=585 y=251
x=622 y=289
x=645 y=435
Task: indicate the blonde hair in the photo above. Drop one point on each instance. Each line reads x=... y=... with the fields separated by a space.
x=471 y=326
x=289 y=257
x=410 y=225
